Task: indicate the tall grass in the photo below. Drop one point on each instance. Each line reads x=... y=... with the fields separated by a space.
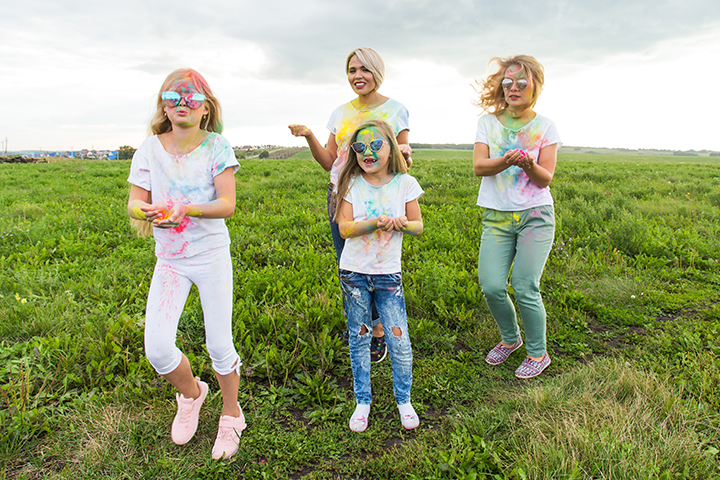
x=631 y=290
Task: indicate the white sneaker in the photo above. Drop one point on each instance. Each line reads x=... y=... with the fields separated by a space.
x=408 y=417
x=359 y=419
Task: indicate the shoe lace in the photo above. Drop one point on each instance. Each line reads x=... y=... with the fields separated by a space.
x=184 y=410
x=227 y=434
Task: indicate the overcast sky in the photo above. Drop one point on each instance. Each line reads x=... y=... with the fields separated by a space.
x=619 y=73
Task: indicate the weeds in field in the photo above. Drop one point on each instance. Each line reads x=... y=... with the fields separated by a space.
x=631 y=289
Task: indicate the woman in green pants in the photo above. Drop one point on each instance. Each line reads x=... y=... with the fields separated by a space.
x=515 y=153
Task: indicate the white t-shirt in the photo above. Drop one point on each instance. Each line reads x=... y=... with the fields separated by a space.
x=346 y=119
x=378 y=252
x=511 y=190
x=187 y=179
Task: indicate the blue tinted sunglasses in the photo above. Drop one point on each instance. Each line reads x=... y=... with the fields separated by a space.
x=375 y=146
x=192 y=100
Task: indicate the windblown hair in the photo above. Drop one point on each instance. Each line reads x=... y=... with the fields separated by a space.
x=492 y=96
x=212 y=122
x=370 y=60
x=351 y=169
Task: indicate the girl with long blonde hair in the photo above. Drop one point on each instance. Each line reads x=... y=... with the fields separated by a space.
x=183 y=185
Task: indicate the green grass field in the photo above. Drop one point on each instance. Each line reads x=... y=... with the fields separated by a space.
x=632 y=290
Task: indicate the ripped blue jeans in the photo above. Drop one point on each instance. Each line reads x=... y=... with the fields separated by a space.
x=359 y=292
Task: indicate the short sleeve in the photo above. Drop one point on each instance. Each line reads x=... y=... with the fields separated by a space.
x=352 y=191
x=403 y=120
x=332 y=121
x=414 y=190
x=223 y=156
x=481 y=136
x=552 y=136
x=140 y=168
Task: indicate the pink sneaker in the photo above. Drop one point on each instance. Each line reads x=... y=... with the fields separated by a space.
x=228 y=436
x=186 y=419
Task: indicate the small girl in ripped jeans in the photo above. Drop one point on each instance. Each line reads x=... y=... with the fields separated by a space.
x=377 y=201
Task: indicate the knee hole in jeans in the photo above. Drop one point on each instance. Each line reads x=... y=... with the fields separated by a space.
x=397 y=332
x=363 y=330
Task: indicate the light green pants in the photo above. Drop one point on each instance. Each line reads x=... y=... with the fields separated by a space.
x=521 y=240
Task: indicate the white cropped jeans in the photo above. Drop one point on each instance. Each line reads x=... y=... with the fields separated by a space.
x=212 y=273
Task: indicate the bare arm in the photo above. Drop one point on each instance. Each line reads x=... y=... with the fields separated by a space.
x=324 y=156
x=542 y=172
x=350 y=228
x=222 y=207
x=410 y=223
x=139 y=197
x=404 y=144
x=483 y=165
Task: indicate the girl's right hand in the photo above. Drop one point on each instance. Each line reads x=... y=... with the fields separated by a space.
x=299 y=130
x=155 y=211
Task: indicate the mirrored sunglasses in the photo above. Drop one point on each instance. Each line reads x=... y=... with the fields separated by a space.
x=507 y=83
x=375 y=146
x=192 y=100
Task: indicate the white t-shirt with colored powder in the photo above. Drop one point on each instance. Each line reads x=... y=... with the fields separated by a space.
x=378 y=252
x=187 y=179
x=346 y=119
x=511 y=190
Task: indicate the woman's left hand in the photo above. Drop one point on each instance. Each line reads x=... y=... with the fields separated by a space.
x=527 y=162
x=519 y=158
x=406 y=150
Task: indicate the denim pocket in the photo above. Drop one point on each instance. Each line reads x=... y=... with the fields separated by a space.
x=396 y=277
x=350 y=282
x=490 y=218
x=347 y=274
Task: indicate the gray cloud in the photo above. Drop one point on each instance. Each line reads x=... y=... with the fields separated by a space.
x=306 y=44
x=306 y=41
x=93 y=50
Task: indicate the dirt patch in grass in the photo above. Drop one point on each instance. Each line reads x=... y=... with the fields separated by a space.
x=615 y=342
x=307 y=470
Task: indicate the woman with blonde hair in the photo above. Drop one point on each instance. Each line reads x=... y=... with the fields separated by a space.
x=515 y=152
x=365 y=71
